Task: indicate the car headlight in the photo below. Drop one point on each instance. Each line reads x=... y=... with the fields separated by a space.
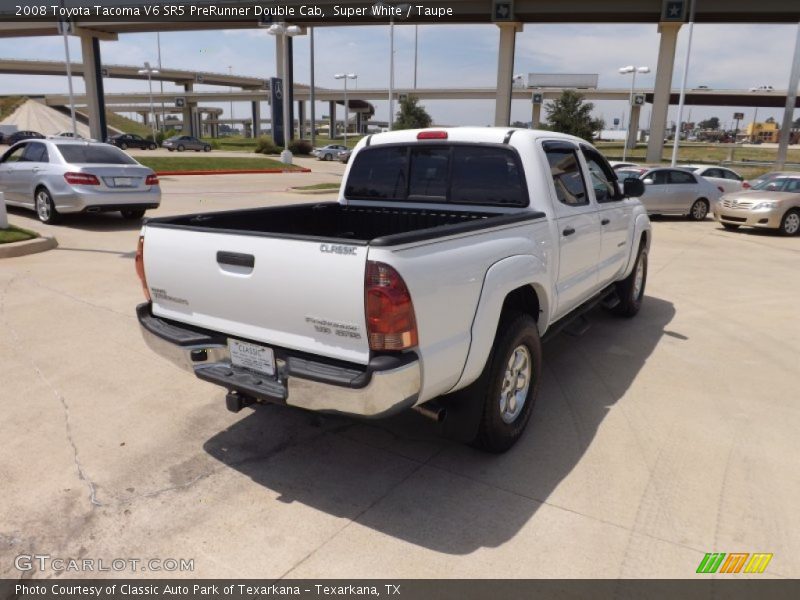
x=765 y=205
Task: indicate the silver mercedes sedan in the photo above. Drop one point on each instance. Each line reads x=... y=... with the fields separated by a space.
x=72 y=176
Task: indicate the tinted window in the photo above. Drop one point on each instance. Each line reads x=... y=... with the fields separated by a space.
x=681 y=177
x=429 y=174
x=101 y=155
x=781 y=184
x=486 y=175
x=713 y=173
x=658 y=177
x=35 y=153
x=567 y=177
x=378 y=174
x=463 y=174
x=14 y=155
x=603 y=178
x=730 y=175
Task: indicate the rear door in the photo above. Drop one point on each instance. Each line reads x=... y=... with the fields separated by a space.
x=305 y=295
x=658 y=193
x=578 y=226
x=34 y=161
x=685 y=189
x=9 y=175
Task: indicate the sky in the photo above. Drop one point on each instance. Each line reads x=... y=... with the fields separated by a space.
x=723 y=57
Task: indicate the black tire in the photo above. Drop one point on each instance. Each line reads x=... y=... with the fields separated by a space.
x=630 y=299
x=207 y=149
x=123 y=146
x=47 y=212
x=699 y=210
x=730 y=226
x=329 y=157
x=181 y=148
x=132 y=214
x=495 y=432
x=151 y=146
x=790 y=223
x=171 y=149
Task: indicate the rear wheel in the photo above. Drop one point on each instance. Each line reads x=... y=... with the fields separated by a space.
x=206 y=148
x=509 y=384
x=699 y=210
x=45 y=208
x=151 y=146
x=630 y=290
x=328 y=157
x=181 y=148
x=132 y=214
x=730 y=226
x=123 y=146
x=790 y=224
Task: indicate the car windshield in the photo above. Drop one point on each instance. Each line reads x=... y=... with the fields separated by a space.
x=779 y=184
x=96 y=155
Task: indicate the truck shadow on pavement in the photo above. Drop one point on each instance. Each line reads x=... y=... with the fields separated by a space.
x=398 y=477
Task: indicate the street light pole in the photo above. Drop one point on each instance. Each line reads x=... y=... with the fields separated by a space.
x=676 y=142
x=149 y=71
x=416 y=47
x=161 y=82
x=391 y=72
x=312 y=99
x=346 y=76
x=625 y=71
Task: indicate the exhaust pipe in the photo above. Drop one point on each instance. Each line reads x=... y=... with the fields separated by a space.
x=433 y=410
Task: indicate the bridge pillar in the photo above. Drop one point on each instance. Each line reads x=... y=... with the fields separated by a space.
x=301 y=119
x=662 y=90
x=188 y=126
x=536 y=116
x=505 y=72
x=633 y=130
x=359 y=122
x=256 y=118
x=332 y=119
x=93 y=81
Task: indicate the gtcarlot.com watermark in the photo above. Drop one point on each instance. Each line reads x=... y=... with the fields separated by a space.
x=57 y=564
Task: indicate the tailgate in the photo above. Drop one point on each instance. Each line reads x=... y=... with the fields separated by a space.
x=298 y=294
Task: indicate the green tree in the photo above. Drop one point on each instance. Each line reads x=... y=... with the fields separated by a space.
x=570 y=114
x=712 y=123
x=411 y=115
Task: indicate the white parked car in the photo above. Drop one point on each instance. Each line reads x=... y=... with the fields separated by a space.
x=329 y=152
x=448 y=255
x=676 y=192
x=727 y=180
x=762 y=88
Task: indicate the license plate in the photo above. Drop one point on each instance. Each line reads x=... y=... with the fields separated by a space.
x=252 y=356
x=123 y=182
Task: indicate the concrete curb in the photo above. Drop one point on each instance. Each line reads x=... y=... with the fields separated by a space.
x=314 y=192
x=233 y=172
x=34 y=246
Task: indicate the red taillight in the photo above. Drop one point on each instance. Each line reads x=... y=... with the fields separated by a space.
x=432 y=135
x=390 y=313
x=140 y=267
x=745 y=186
x=151 y=180
x=81 y=179
x=719 y=187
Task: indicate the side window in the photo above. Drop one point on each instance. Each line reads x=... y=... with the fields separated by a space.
x=681 y=177
x=603 y=177
x=658 y=177
x=567 y=177
x=792 y=185
x=712 y=173
x=15 y=155
x=35 y=153
x=730 y=175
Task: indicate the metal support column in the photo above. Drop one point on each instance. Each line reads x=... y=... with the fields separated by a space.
x=663 y=88
x=93 y=81
x=505 y=72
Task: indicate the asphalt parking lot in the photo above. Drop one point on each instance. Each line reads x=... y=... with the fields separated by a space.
x=654 y=441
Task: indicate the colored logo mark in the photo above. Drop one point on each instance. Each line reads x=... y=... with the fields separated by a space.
x=735 y=562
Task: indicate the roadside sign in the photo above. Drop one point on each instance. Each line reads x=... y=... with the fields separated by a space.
x=65 y=26
x=402 y=97
x=503 y=10
x=180 y=102
x=104 y=72
x=616 y=122
x=738 y=116
x=638 y=100
x=674 y=10
x=198 y=78
x=537 y=97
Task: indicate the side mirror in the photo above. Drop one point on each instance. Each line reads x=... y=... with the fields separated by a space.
x=634 y=187
x=648 y=181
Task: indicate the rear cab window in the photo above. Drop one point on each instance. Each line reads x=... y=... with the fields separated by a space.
x=480 y=174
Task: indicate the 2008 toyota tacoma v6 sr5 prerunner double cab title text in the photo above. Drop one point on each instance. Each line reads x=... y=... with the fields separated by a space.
x=428 y=284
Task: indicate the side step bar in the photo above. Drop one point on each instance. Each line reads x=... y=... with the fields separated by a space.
x=608 y=297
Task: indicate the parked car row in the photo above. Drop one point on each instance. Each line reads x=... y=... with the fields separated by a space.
x=771 y=201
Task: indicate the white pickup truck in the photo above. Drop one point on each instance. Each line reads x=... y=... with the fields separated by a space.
x=427 y=285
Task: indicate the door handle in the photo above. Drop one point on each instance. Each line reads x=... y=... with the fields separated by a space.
x=605 y=222
x=568 y=231
x=236 y=259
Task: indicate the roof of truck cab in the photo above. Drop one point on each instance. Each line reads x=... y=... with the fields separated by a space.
x=486 y=135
